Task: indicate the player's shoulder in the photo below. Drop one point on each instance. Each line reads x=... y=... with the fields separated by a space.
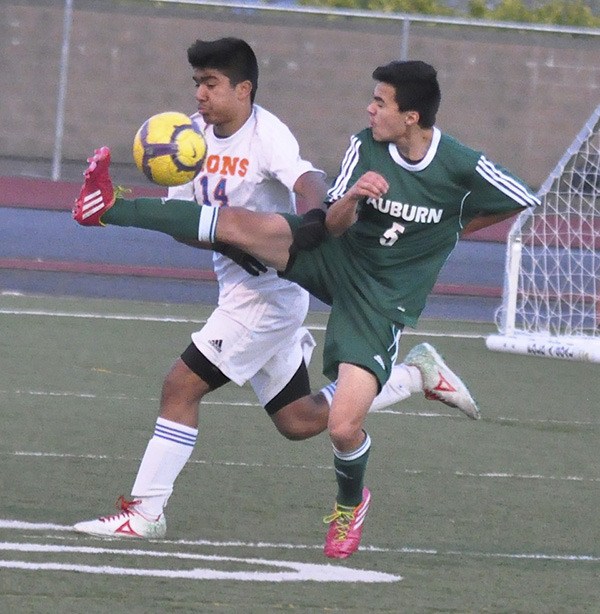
x=271 y=136
x=456 y=157
x=451 y=146
x=367 y=145
x=365 y=136
x=268 y=121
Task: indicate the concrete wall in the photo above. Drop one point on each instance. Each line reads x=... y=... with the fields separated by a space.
x=521 y=97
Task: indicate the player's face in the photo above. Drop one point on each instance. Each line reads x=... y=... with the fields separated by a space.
x=388 y=123
x=219 y=102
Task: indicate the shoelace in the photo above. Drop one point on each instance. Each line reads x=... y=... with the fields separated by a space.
x=343 y=517
x=124 y=505
x=121 y=191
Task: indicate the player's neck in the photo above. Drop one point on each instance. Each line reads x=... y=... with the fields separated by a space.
x=413 y=146
x=231 y=126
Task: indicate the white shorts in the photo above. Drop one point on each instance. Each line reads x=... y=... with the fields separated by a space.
x=262 y=346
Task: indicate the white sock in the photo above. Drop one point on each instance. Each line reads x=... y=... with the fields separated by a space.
x=354 y=454
x=403 y=381
x=166 y=454
x=207 y=226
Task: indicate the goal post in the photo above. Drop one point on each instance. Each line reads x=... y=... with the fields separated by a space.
x=551 y=296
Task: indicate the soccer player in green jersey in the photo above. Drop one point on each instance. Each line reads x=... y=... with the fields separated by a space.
x=404 y=194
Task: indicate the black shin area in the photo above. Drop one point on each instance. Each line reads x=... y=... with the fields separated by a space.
x=297 y=387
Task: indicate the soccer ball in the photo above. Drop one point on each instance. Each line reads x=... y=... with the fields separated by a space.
x=169 y=149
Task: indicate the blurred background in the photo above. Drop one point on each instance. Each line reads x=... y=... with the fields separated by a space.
x=78 y=74
x=519 y=94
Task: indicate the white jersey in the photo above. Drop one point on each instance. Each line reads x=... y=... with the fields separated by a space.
x=255 y=334
x=255 y=168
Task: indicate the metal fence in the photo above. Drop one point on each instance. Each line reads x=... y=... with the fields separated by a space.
x=81 y=73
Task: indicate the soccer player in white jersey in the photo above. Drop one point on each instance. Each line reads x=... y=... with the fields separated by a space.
x=255 y=334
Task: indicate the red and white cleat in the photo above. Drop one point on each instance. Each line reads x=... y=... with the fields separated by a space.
x=345 y=528
x=97 y=194
x=128 y=523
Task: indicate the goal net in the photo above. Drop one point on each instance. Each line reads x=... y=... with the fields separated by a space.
x=551 y=298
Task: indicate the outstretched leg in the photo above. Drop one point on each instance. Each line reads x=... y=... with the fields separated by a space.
x=423 y=370
x=267 y=236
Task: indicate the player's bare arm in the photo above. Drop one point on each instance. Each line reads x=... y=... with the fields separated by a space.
x=483 y=221
x=310 y=189
x=342 y=213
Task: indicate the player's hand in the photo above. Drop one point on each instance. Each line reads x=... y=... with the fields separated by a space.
x=249 y=263
x=369 y=185
x=310 y=232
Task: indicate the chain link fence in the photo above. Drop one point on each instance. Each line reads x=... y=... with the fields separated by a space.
x=82 y=73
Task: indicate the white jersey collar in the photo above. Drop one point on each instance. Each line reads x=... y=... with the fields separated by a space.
x=424 y=163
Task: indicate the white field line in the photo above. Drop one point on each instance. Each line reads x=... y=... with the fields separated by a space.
x=284 y=571
x=182 y=320
x=315 y=327
x=99 y=316
x=20 y=526
x=393 y=412
x=126 y=398
x=419 y=472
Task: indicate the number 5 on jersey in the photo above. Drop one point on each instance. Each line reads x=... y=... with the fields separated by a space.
x=392 y=234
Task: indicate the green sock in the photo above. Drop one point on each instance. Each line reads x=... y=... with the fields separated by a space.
x=178 y=218
x=349 y=472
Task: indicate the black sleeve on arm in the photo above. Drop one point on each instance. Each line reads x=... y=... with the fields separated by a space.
x=310 y=232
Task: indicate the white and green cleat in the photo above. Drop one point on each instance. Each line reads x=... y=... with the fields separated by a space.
x=440 y=383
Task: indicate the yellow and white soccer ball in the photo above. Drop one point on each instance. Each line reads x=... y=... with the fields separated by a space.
x=169 y=149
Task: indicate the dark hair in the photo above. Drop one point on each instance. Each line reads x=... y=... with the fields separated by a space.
x=232 y=56
x=416 y=85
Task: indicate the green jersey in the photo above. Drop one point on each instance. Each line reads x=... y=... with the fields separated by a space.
x=400 y=242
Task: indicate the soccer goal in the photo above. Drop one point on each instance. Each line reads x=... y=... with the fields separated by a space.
x=551 y=297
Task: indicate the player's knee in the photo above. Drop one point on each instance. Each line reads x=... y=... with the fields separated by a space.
x=294 y=434
x=297 y=414
x=295 y=429
x=182 y=386
x=291 y=429
x=343 y=435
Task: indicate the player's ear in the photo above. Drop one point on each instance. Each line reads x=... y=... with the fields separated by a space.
x=244 y=89
x=412 y=118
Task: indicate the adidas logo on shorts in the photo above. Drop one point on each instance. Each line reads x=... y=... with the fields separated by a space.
x=217 y=344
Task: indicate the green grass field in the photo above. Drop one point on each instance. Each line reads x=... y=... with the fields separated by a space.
x=499 y=515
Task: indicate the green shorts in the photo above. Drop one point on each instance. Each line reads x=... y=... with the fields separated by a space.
x=356 y=332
